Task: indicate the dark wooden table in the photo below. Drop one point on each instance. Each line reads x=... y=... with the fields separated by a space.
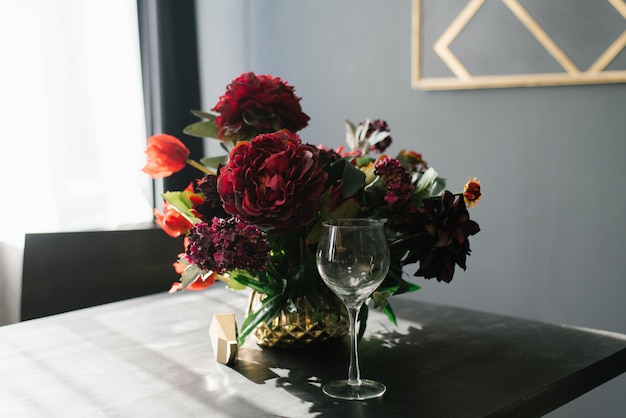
x=152 y=356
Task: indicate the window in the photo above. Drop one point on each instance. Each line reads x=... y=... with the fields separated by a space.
x=74 y=126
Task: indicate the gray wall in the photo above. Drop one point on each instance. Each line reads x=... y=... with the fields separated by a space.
x=550 y=158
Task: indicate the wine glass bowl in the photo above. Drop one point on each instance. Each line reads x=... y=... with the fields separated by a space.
x=353 y=259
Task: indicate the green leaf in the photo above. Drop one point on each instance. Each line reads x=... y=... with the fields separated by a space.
x=181 y=202
x=268 y=309
x=234 y=284
x=387 y=310
x=214 y=162
x=412 y=287
x=190 y=274
x=426 y=180
x=275 y=279
x=204 y=115
x=353 y=180
x=204 y=129
x=363 y=161
x=335 y=170
x=438 y=187
x=254 y=282
x=227 y=143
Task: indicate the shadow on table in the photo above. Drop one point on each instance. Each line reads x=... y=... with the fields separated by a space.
x=302 y=372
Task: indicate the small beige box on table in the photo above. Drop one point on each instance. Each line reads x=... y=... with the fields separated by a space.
x=223 y=333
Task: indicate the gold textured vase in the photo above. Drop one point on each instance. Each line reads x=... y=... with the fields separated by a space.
x=308 y=326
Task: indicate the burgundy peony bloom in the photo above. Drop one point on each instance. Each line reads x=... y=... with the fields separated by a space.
x=227 y=244
x=273 y=180
x=255 y=104
x=444 y=242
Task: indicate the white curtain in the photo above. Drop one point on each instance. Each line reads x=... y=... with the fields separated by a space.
x=72 y=125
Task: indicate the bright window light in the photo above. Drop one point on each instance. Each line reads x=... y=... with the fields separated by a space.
x=72 y=117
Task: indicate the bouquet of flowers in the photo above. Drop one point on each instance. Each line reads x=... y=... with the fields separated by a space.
x=253 y=215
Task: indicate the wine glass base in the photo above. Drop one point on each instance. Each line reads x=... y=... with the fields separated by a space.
x=341 y=389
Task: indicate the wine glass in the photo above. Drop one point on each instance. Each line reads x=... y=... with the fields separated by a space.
x=353 y=259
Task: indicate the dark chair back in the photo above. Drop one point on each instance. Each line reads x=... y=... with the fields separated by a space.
x=73 y=270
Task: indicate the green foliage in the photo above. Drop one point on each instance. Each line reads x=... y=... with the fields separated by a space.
x=428 y=184
x=268 y=282
x=203 y=129
x=269 y=308
x=214 y=162
x=352 y=179
x=181 y=202
x=190 y=274
x=204 y=115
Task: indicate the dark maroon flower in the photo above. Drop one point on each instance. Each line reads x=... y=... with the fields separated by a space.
x=328 y=155
x=273 y=180
x=211 y=205
x=227 y=244
x=255 y=104
x=444 y=242
x=398 y=186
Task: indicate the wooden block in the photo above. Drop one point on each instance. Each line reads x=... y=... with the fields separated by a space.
x=223 y=332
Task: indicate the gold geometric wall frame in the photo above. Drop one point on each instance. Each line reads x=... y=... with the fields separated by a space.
x=568 y=74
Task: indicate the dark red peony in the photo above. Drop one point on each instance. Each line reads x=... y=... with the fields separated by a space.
x=255 y=104
x=273 y=180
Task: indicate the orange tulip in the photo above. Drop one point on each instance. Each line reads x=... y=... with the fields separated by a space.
x=172 y=221
x=166 y=155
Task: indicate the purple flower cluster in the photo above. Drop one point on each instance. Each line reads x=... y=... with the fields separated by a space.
x=227 y=244
x=397 y=182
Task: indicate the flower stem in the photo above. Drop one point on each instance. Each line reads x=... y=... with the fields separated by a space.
x=199 y=166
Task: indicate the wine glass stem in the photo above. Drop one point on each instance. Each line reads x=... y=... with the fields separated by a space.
x=354 y=374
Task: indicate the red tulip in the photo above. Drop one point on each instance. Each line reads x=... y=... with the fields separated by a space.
x=172 y=221
x=166 y=155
